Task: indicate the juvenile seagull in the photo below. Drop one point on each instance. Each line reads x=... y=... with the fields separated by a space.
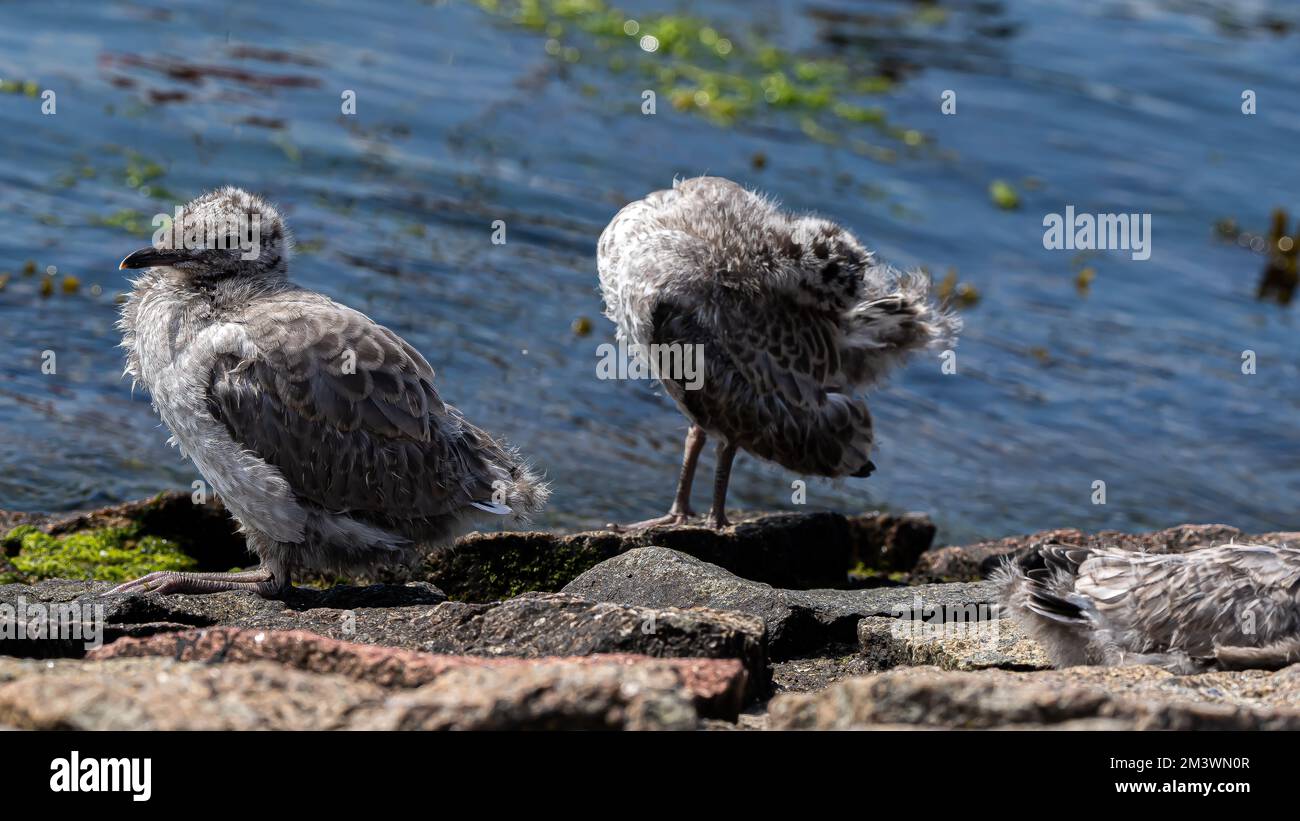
x=794 y=316
x=1228 y=607
x=318 y=428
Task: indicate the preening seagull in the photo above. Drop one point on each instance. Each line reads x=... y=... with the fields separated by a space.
x=1227 y=607
x=320 y=430
x=795 y=318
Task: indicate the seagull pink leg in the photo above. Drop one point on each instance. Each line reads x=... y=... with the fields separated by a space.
x=681 y=511
x=717 y=517
x=261 y=580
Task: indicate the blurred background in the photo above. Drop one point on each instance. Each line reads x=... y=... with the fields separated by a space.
x=1074 y=368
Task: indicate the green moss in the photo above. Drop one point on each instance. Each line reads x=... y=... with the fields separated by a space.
x=513 y=572
x=506 y=565
x=110 y=554
x=863 y=573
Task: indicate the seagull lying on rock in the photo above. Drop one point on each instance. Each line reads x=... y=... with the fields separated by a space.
x=319 y=429
x=792 y=315
x=1228 y=607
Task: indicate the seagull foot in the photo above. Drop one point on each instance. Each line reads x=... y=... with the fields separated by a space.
x=261 y=581
x=667 y=520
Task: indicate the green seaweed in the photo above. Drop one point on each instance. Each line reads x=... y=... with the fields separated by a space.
x=1004 y=196
x=140 y=171
x=954 y=293
x=1281 y=275
x=144 y=176
x=27 y=88
x=698 y=70
x=130 y=220
x=110 y=554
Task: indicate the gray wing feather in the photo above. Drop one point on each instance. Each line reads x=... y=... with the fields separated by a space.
x=347 y=411
x=1236 y=595
x=766 y=388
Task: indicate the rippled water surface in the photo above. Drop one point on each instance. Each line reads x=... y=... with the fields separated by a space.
x=469 y=113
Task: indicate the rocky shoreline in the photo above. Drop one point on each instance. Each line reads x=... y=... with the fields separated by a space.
x=783 y=621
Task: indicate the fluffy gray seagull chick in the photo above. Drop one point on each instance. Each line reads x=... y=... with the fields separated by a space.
x=319 y=429
x=1228 y=607
x=794 y=315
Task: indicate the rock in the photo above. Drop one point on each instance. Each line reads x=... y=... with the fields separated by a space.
x=953 y=645
x=887 y=542
x=161 y=694
x=542 y=695
x=83 y=609
x=979 y=560
x=21 y=640
x=1135 y=698
x=798 y=621
x=794 y=550
x=417 y=617
x=716 y=687
x=164 y=694
x=483 y=567
x=49 y=621
x=803 y=675
x=556 y=624
x=205 y=531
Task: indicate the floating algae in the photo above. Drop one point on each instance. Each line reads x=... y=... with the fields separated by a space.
x=581 y=326
x=1279 y=279
x=698 y=70
x=27 y=88
x=1083 y=280
x=130 y=220
x=1003 y=195
x=958 y=294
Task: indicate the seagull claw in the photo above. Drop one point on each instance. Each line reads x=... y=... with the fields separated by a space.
x=667 y=520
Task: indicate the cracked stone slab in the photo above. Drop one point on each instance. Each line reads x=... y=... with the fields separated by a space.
x=1133 y=698
x=716 y=687
x=979 y=645
x=540 y=695
x=153 y=693
x=418 y=617
x=798 y=621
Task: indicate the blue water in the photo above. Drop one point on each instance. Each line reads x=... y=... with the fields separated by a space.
x=463 y=118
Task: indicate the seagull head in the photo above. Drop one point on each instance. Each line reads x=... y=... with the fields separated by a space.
x=223 y=234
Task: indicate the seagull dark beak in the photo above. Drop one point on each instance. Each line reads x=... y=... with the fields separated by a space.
x=150 y=258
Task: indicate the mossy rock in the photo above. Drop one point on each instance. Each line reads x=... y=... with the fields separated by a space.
x=496 y=566
x=785 y=550
x=204 y=531
x=114 y=554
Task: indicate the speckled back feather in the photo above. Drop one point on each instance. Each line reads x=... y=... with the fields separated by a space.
x=794 y=315
x=1234 y=605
